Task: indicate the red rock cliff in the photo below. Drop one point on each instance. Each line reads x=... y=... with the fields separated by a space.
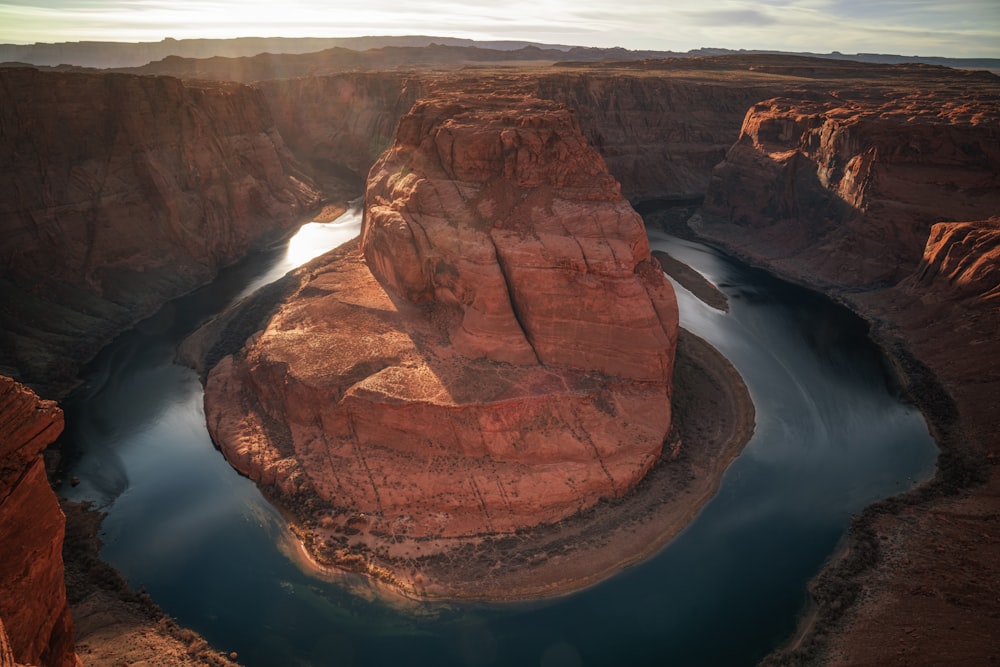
x=660 y=132
x=866 y=194
x=513 y=366
x=122 y=192
x=33 y=606
x=847 y=187
x=338 y=125
x=509 y=217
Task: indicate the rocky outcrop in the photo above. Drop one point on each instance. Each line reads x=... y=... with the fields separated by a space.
x=33 y=607
x=123 y=192
x=847 y=187
x=500 y=357
x=511 y=220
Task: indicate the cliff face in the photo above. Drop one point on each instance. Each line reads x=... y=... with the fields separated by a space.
x=123 y=192
x=33 y=607
x=847 y=189
x=660 y=135
x=501 y=357
x=515 y=223
x=887 y=200
x=338 y=125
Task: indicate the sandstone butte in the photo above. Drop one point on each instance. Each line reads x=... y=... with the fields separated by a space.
x=35 y=622
x=494 y=353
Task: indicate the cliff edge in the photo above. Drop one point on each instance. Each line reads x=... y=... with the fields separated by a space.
x=887 y=199
x=33 y=608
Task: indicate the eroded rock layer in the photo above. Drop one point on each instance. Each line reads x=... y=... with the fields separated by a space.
x=499 y=358
x=120 y=193
x=849 y=186
x=33 y=606
x=886 y=198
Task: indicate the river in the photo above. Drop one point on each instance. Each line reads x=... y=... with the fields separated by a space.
x=832 y=436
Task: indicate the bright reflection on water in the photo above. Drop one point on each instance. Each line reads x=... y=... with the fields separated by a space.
x=831 y=437
x=312 y=240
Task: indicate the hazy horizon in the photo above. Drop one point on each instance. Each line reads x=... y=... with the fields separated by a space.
x=964 y=29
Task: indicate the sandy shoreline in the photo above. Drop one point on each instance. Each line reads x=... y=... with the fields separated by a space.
x=713 y=420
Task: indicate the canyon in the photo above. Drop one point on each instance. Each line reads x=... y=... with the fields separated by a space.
x=121 y=193
x=493 y=354
x=875 y=184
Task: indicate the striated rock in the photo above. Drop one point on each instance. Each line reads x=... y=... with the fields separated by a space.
x=961 y=259
x=503 y=213
x=867 y=194
x=500 y=358
x=33 y=608
x=660 y=134
x=122 y=192
x=338 y=125
x=846 y=188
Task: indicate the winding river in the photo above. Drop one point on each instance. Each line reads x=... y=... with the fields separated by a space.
x=832 y=436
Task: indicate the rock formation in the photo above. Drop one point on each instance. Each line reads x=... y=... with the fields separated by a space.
x=660 y=135
x=122 y=192
x=338 y=125
x=33 y=607
x=886 y=199
x=849 y=186
x=500 y=357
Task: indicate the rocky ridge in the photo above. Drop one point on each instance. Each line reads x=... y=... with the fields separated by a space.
x=34 y=613
x=506 y=340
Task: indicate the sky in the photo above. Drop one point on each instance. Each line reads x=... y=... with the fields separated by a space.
x=960 y=28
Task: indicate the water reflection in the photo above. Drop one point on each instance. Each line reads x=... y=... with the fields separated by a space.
x=831 y=437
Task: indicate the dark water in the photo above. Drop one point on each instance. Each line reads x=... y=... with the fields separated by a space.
x=831 y=437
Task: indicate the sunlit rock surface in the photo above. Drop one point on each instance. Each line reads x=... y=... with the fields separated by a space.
x=500 y=356
x=33 y=606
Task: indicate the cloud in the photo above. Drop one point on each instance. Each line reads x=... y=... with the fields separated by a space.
x=726 y=17
x=962 y=28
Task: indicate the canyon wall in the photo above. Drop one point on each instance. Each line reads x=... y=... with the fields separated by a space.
x=122 y=192
x=887 y=200
x=33 y=607
x=847 y=186
x=660 y=135
x=338 y=125
x=500 y=357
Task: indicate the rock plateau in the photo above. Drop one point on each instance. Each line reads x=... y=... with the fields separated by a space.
x=495 y=352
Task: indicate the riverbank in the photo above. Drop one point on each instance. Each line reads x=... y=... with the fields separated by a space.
x=911 y=582
x=115 y=625
x=713 y=420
